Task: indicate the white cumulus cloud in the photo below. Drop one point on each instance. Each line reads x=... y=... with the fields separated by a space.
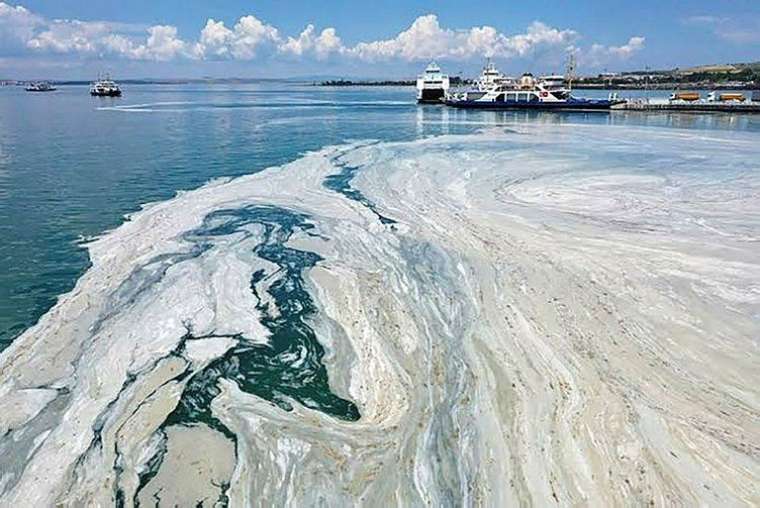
x=328 y=42
x=17 y=26
x=64 y=36
x=250 y=34
x=425 y=39
x=251 y=38
x=308 y=42
x=735 y=30
x=162 y=45
x=633 y=45
x=215 y=40
x=599 y=54
x=241 y=42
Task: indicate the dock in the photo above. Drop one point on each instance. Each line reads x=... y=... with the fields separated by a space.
x=688 y=106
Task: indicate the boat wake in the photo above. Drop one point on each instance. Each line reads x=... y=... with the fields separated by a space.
x=298 y=103
x=489 y=318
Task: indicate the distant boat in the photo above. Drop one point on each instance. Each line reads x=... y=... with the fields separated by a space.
x=105 y=88
x=432 y=85
x=40 y=86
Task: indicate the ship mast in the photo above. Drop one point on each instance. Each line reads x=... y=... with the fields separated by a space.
x=570 y=69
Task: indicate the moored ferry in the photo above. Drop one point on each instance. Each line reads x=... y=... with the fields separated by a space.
x=546 y=93
x=433 y=85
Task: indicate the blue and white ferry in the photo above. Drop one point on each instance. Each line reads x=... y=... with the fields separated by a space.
x=546 y=93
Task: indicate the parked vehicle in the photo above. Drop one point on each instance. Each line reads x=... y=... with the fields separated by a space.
x=685 y=96
x=726 y=97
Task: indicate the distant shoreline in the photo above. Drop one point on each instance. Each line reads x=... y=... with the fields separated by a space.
x=668 y=86
x=579 y=86
x=455 y=82
x=148 y=81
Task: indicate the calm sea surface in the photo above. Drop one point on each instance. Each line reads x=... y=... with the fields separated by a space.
x=72 y=166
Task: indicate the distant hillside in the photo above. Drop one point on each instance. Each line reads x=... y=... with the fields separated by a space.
x=454 y=80
x=732 y=75
x=722 y=68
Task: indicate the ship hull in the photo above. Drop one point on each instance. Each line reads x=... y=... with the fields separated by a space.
x=431 y=96
x=574 y=105
x=106 y=94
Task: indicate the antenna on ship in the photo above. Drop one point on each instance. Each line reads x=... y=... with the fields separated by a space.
x=570 y=68
x=646 y=78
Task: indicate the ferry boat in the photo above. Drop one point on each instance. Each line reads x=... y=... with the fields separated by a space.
x=40 y=86
x=105 y=88
x=432 y=86
x=547 y=93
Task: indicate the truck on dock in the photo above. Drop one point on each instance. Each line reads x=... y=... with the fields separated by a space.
x=685 y=96
x=726 y=97
x=702 y=106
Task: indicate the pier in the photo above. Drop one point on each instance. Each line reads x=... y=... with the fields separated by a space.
x=684 y=106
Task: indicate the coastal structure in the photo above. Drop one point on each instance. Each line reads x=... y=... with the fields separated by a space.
x=692 y=102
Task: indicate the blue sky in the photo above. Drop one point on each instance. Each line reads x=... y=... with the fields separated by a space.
x=191 y=38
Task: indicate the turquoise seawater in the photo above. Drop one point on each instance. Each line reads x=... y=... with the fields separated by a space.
x=72 y=166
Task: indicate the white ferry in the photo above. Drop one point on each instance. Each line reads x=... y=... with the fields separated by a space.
x=105 y=88
x=547 y=93
x=40 y=86
x=432 y=86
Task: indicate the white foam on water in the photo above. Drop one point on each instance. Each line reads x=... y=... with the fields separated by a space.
x=561 y=314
